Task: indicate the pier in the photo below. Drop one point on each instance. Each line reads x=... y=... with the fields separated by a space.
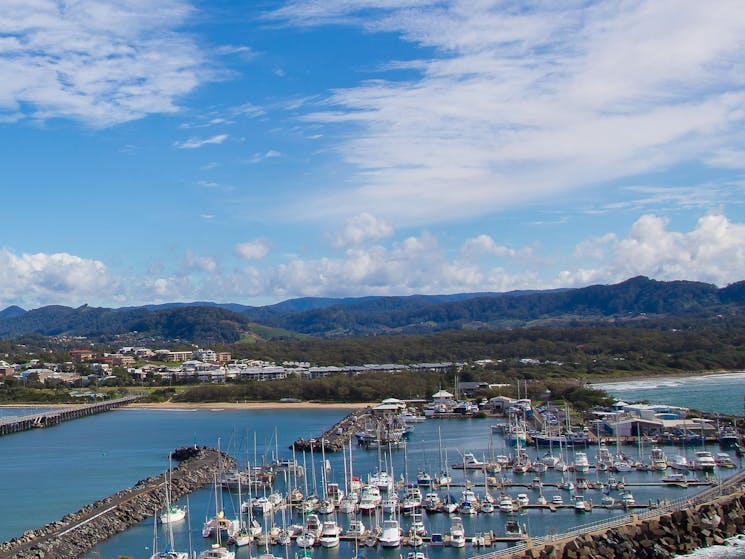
x=10 y=425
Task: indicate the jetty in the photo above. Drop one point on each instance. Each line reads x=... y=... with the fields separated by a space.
x=334 y=439
x=48 y=418
x=77 y=533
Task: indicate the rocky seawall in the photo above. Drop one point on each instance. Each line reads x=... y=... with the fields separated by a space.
x=78 y=532
x=679 y=532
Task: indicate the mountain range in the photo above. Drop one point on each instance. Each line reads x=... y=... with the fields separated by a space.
x=635 y=299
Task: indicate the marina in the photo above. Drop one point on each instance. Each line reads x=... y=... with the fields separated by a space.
x=316 y=486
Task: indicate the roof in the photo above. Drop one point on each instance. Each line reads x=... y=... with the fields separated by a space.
x=442 y=394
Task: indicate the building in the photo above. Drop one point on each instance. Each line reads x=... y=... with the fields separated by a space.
x=81 y=354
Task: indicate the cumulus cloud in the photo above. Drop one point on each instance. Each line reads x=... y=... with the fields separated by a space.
x=486 y=245
x=100 y=62
x=713 y=251
x=58 y=278
x=195 y=262
x=514 y=105
x=195 y=143
x=252 y=250
x=361 y=228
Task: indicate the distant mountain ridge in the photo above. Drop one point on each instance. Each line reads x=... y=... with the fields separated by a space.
x=206 y=322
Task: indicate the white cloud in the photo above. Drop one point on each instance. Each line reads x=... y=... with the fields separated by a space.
x=361 y=228
x=99 y=62
x=259 y=157
x=194 y=262
x=195 y=143
x=486 y=245
x=521 y=104
x=57 y=278
x=713 y=251
x=252 y=250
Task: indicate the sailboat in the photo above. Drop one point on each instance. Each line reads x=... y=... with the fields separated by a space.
x=217 y=550
x=168 y=552
x=173 y=513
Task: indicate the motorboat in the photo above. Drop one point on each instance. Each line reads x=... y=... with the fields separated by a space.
x=306 y=540
x=703 y=461
x=391 y=534
x=457 y=532
x=512 y=528
x=487 y=506
x=679 y=462
x=437 y=540
x=470 y=462
x=627 y=499
x=522 y=500
x=581 y=463
x=356 y=529
x=557 y=500
x=724 y=460
x=580 y=504
x=329 y=534
x=659 y=460
x=506 y=504
x=432 y=501
x=217 y=552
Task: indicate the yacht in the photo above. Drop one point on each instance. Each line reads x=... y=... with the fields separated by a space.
x=679 y=462
x=382 y=480
x=512 y=528
x=522 y=500
x=557 y=500
x=704 y=461
x=506 y=504
x=391 y=534
x=580 y=505
x=412 y=500
x=356 y=529
x=470 y=462
x=432 y=501
x=581 y=463
x=457 y=532
x=217 y=552
x=627 y=499
x=659 y=460
x=329 y=534
x=486 y=505
x=724 y=460
x=306 y=540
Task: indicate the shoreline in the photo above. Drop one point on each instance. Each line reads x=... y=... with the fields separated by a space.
x=647 y=377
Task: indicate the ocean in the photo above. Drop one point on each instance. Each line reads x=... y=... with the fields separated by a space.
x=47 y=473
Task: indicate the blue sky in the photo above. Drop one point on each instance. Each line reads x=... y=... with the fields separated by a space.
x=256 y=151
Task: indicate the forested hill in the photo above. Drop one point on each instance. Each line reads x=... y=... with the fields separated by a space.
x=636 y=299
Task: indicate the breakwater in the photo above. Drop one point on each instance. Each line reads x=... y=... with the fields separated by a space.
x=705 y=520
x=10 y=425
x=334 y=439
x=79 y=532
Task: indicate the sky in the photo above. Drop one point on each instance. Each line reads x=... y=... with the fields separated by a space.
x=252 y=151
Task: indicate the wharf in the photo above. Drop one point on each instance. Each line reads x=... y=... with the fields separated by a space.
x=10 y=425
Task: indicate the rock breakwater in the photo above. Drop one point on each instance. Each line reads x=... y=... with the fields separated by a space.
x=78 y=532
x=677 y=533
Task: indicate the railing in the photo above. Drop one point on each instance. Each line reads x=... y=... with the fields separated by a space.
x=723 y=487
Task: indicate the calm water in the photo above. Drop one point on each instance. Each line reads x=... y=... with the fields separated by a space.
x=723 y=393
x=47 y=473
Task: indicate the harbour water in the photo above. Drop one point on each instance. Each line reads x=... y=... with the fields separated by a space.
x=50 y=472
x=720 y=393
